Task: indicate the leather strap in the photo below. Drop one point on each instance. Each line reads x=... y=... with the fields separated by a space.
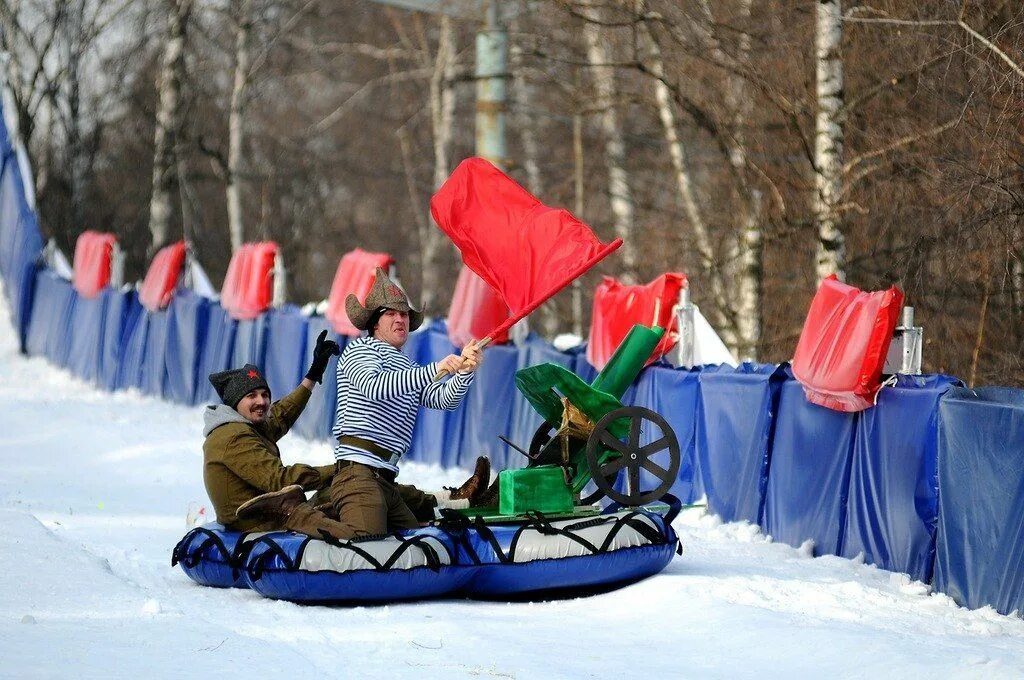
x=370 y=447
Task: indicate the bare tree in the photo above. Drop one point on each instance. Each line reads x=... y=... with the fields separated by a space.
x=828 y=139
x=168 y=121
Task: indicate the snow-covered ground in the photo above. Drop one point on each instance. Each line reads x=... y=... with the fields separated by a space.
x=95 y=489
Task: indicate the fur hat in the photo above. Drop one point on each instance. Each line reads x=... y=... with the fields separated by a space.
x=234 y=384
x=385 y=294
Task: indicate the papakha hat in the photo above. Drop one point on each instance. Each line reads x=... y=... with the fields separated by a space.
x=384 y=294
x=234 y=384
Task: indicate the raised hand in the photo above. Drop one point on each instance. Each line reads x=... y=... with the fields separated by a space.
x=322 y=353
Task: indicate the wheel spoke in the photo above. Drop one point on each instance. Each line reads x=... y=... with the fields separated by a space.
x=611 y=441
x=655 y=469
x=634 y=432
x=613 y=466
x=634 y=479
x=654 y=447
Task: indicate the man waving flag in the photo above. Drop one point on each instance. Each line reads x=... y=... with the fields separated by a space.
x=522 y=248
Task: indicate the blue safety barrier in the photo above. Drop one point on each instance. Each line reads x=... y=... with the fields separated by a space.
x=88 y=326
x=809 y=473
x=250 y=343
x=115 y=324
x=153 y=375
x=52 y=304
x=218 y=346
x=980 y=542
x=488 y=406
x=286 y=356
x=317 y=418
x=893 y=497
x=133 y=346
x=187 y=323
x=20 y=240
x=674 y=394
x=735 y=419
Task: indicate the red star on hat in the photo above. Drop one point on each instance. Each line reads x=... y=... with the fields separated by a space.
x=253 y=374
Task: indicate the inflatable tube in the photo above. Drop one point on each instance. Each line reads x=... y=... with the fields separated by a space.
x=211 y=556
x=402 y=566
x=570 y=555
x=459 y=557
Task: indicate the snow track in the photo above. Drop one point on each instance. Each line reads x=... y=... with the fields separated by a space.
x=93 y=495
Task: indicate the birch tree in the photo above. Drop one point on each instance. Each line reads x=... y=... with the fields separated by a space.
x=620 y=194
x=828 y=139
x=168 y=121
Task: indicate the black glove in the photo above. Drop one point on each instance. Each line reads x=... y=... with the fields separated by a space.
x=322 y=353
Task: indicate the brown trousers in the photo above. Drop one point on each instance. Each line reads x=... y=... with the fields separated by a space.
x=364 y=502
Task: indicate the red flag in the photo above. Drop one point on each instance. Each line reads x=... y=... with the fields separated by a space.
x=522 y=248
x=476 y=308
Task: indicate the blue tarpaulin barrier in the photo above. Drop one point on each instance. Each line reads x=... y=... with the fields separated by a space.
x=488 y=406
x=980 y=541
x=317 y=418
x=20 y=241
x=809 y=474
x=133 y=346
x=674 y=394
x=117 y=307
x=88 y=326
x=188 y=319
x=737 y=410
x=154 y=361
x=218 y=346
x=893 y=497
x=286 y=357
x=250 y=342
x=51 y=305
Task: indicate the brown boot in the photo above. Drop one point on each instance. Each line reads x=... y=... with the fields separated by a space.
x=478 y=481
x=488 y=498
x=272 y=505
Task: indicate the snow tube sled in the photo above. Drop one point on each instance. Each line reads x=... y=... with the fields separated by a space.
x=400 y=566
x=212 y=556
x=568 y=556
x=467 y=558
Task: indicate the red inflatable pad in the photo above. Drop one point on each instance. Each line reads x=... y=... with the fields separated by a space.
x=93 y=254
x=249 y=284
x=617 y=307
x=842 y=347
x=354 y=275
x=476 y=310
x=162 y=277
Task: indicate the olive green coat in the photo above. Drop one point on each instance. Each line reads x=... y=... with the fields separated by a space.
x=241 y=459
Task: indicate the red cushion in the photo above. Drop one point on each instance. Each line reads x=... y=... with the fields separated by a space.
x=842 y=347
x=617 y=307
x=162 y=277
x=93 y=254
x=476 y=310
x=354 y=275
x=249 y=285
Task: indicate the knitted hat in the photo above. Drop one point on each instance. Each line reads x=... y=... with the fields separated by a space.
x=234 y=384
x=385 y=294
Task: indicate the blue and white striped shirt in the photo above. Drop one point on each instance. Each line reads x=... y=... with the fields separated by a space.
x=380 y=391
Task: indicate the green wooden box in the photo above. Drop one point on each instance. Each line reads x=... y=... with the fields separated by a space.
x=540 y=488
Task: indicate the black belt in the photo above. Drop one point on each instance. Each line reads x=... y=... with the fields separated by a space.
x=383 y=473
x=368 y=446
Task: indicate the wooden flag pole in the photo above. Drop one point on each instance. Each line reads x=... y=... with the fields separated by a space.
x=480 y=344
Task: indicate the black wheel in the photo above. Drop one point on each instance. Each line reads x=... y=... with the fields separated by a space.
x=633 y=456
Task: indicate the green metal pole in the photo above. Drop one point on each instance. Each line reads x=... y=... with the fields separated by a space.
x=491 y=73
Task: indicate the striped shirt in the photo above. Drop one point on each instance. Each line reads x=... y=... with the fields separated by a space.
x=380 y=391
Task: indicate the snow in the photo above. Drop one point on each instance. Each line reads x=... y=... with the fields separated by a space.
x=96 y=489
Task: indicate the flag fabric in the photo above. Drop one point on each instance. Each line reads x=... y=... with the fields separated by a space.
x=522 y=248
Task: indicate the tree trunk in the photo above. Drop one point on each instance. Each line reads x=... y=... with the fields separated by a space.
x=168 y=122
x=828 y=144
x=442 y=115
x=236 y=121
x=620 y=194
